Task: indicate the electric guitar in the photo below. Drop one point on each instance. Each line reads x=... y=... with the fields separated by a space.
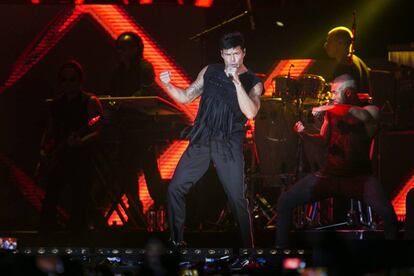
x=49 y=160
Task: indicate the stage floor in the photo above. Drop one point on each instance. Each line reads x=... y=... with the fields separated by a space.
x=219 y=239
x=338 y=252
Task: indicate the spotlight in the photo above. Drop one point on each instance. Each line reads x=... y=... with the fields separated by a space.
x=115 y=251
x=27 y=251
x=129 y=251
x=41 y=251
x=211 y=251
x=114 y=260
x=301 y=251
x=54 y=251
x=280 y=24
x=184 y=252
x=259 y=251
x=68 y=251
x=197 y=251
x=273 y=251
x=244 y=251
x=287 y=251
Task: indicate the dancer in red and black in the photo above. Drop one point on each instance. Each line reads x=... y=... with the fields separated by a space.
x=347 y=129
x=230 y=94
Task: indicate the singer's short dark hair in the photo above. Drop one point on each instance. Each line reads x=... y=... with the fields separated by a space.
x=232 y=40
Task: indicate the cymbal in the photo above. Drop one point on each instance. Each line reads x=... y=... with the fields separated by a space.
x=270 y=98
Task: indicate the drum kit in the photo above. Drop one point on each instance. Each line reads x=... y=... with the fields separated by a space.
x=308 y=88
x=276 y=143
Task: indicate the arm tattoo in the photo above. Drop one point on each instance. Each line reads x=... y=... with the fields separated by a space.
x=195 y=90
x=257 y=89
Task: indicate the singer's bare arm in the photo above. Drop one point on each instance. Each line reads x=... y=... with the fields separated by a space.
x=249 y=102
x=184 y=96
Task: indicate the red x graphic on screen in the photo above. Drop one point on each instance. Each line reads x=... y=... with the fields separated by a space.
x=114 y=20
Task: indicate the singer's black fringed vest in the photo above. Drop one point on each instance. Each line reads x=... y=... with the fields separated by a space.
x=219 y=116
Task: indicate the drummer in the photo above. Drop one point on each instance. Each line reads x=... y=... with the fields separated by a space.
x=338 y=46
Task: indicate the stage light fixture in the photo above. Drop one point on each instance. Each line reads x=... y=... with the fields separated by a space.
x=211 y=251
x=280 y=24
x=245 y=251
x=273 y=251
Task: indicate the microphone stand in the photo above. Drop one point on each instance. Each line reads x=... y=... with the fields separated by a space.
x=299 y=157
x=301 y=218
x=352 y=50
x=203 y=33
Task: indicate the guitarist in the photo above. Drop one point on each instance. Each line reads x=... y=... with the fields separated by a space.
x=67 y=147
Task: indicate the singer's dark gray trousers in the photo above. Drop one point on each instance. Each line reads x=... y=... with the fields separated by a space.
x=229 y=163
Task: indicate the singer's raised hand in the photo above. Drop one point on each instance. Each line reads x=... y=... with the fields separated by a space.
x=232 y=73
x=165 y=77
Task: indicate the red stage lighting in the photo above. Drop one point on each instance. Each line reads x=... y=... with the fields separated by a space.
x=203 y=3
x=114 y=20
